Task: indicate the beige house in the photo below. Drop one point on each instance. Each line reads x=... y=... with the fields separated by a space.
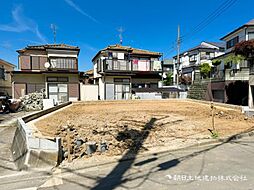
x=5 y=77
x=49 y=68
x=122 y=72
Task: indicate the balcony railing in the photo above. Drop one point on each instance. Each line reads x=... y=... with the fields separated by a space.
x=131 y=65
x=206 y=57
x=117 y=65
x=193 y=59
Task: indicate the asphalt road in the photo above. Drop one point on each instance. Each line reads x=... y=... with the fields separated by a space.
x=221 y=166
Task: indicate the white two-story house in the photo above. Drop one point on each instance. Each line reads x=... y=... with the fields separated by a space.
x=123 y=71
x=233 y=75
x=191 y=59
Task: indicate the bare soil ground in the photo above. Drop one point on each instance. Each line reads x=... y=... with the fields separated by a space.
x=149 y=124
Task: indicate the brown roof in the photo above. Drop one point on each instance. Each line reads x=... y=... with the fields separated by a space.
x=7 y=63
x=89 y=72
x=129 y=49
x=50 y=46
x=250 y=23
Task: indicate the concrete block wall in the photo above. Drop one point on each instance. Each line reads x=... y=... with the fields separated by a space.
x=19 y=145
x=30 y=152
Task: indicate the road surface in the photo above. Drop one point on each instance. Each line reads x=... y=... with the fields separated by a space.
x=221 y=166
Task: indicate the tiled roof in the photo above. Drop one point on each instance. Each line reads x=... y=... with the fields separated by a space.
x=89 y=72
x=50 y=46
x=132 y=50
x=128 y=49
x=7 y=63
x=202 y=46
x=250 y=23
x=218 y=44
x=198 y=47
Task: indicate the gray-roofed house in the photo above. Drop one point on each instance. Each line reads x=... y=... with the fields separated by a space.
x=233 y=79
x=191 y=59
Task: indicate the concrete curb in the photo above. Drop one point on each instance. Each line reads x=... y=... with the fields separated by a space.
x=231 y=106
x=30 y=152
x=44 y=112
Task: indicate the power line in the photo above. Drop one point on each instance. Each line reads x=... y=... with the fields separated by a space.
x=209 y=19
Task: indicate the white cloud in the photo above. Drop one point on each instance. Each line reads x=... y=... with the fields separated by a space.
x=77 y=8
x=22 y=23
x=89 y=47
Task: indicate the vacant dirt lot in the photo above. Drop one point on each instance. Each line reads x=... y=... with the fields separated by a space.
x=126 y=125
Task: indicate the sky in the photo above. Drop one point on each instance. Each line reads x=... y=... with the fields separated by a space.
x=93 y=25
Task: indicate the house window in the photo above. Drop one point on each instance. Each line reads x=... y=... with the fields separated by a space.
x=110 y=55
x=52 y=79
x=57 y=79
x=62 y=79
x=121 y=88
x=37 y=62
x=63 y=63
x=2 y=73
x=232 y=42
x=98 y=65
x=251 y=36
x=125 y=81
x=193 y=58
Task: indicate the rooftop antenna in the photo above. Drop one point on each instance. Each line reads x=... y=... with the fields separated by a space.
x=120 y=30
x=53 y=27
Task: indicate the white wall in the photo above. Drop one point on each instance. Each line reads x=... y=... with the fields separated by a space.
x=243 y=36
x=89 y=92
x=149 y=96
x=62 y=53
x=101 y=88
x=239 y=75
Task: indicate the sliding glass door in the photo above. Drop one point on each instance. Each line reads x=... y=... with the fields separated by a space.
x=122 y=89
x=58 y=92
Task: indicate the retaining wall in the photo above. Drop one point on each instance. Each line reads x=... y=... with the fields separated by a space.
x=30 y=152
x=231 y=106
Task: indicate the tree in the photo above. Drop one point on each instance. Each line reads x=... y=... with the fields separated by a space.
x=245 y=49
x=185 y=79
x=169 y=79
x=234 y=59
x=205 y=69
x=216 y=62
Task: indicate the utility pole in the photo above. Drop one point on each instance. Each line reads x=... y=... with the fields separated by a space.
x=53 y=27
x=178 y=59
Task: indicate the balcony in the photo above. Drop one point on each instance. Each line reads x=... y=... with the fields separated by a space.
x=116 y=65
x=192 y=60
x=206 y=57
x=63 y=64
